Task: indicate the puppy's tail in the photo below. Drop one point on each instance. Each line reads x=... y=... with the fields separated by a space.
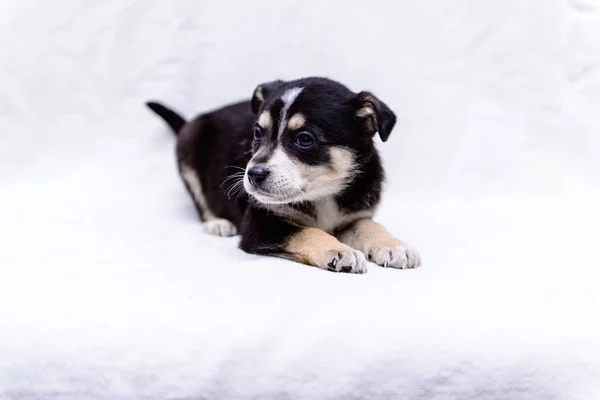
x=174 y=120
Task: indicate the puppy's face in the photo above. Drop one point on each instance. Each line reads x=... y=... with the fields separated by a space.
x=309 y=139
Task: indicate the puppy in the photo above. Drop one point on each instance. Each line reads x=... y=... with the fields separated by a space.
x=295 y=172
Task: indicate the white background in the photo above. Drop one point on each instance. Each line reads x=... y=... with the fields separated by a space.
x=108 y=286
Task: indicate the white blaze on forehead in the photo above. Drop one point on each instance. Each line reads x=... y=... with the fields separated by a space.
x=288 y=99
x=264 y=120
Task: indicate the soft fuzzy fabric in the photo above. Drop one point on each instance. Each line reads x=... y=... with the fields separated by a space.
x=109 y=289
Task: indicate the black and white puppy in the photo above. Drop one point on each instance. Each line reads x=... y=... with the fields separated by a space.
x=295 y=171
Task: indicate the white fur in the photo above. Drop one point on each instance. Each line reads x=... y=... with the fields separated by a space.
x=219 y=227
x=292 y=180
x=328 y=215
x=193 y=181
x=285 y=170
x=284 y=181
x=349 y=258
x=288 y=99
x=401 y=257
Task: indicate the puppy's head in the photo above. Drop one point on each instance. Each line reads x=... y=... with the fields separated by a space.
x=310 y=139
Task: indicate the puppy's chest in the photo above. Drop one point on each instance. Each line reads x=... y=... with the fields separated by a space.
x=327 y=215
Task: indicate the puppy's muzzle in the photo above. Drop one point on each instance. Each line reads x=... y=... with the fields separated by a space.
x=257 y=175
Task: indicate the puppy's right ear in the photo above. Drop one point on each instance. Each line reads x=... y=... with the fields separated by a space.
x=261 y=93
x=374 y=115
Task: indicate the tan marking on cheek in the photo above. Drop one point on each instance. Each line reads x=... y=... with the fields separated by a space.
x=265 y=121
x=342 y=164
x=310 y=172
x=313 y=246
x=342 y=160
x=296 y=122
x=323 y=180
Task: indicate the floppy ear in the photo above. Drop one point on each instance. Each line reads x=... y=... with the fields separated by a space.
x=374 y=115
x=261 y=92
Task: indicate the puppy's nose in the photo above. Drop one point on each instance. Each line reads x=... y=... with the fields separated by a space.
x=257 y=175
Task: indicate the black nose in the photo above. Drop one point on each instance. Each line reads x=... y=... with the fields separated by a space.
x=257 y=175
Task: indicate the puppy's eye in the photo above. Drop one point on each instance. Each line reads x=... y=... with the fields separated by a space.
x=256 y=133
x=305 y=140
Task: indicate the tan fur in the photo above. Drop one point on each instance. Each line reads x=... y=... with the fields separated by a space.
x=366 y=235
x=325 y=218
x=265 y=121
x=193 y=181
x=379 y=245
x=258 y=93
x=342 y=163
x=313 y=246
x=365 y=111
x=343 y=160
x=324 y=180
x=303 y=182
x=368 y=116
x=296 y=122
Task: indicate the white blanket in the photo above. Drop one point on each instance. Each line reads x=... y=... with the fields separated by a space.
x=110 y=290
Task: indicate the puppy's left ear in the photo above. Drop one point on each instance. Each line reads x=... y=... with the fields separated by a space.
x=374 y=115
x=261 y=93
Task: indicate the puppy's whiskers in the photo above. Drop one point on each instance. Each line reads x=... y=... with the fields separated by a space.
x=237 y=187
x=236 y=167
x=234 y=176
x=237 y=190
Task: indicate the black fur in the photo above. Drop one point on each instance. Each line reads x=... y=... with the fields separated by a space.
x=382 y=121
x=174 y=120
x=220 y=143
x=262 y=92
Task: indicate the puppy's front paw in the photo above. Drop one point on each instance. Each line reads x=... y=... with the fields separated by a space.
x=219 y=227
x=399 y=256
x=352 y=261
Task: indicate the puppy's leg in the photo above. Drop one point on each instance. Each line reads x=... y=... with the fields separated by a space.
x=379 y=246
x=315 y=247
x=311 y=246
x=267 y=234
x=219 y=227
x=211 y=223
